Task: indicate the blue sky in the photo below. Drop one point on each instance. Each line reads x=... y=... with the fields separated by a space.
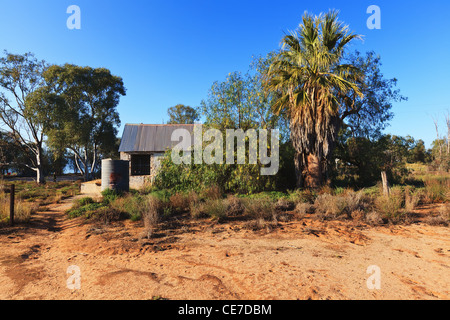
x=170 y=52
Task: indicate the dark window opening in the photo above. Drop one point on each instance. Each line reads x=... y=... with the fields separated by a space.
x=140 y=165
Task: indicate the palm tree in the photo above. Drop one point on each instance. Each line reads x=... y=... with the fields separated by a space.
x=313 y=85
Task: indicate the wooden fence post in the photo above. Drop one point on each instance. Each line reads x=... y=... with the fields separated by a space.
x=11 y=204
x=386 y=189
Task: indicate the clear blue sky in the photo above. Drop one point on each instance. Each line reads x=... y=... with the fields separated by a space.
x=170 y=52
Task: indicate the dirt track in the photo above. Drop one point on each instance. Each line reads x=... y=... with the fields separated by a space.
x=202 y=260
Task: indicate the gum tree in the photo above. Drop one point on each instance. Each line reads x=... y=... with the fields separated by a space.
x=20 y=78
x=83 y=103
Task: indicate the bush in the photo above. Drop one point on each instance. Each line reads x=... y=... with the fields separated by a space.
x=262 y=208
x=212 y=208
x=284 y=204
x=87 y=210
x=243 y=179
x=373 y=218
x=163 y=195
x=436 y=189
x=84 y=201
x=412 y=199
x=302 y=196
x=442 y=219
x=213 y=192
x=302 y=209
x=107 y=215
x=349 y=202
x=151 y=214
x=179 y=202
x=110 y=195
x=235 y=206
x=391 y=207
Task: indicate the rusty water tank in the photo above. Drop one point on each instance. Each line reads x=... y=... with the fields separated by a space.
x=115 y=175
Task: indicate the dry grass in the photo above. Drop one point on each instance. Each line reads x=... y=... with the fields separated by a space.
x=302 y=196
x=151 y=214
x=260 y=208
x=211 y=208
x=284 y=204
x=235 y=206
x=214 y=192
x=442 y=219
x=302 y=209
x=391 y=207
x=328 y=206
x=179 y=202
x=437 y=189
x=412 y=199
x=22 y=210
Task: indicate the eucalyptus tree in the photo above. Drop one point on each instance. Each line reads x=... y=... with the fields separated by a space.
x=83 y=107
x=241 y=101
x=20 y=77
x=181 y=114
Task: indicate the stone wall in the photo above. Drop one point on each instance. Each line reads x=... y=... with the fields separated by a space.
x=138 y=182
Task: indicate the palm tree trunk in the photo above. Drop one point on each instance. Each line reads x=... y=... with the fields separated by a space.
x=313 y=172
x=298 y=170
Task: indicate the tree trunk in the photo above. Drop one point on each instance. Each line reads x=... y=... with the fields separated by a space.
x=313 y=172
x=298 y=170
x=386 y=188
x=40 y=178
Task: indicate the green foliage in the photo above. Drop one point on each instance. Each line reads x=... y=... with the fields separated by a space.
x=372 y=112
x=241 y=102
x=391 y=207
x=440 y=153
x=244 y=179
x=26 y=118
x=437 y=189
x=81 y=107
x=110 y=195
x=361 y=160
x=181 y=114
x=86 y=210
x=85 y=201
x=302 y=196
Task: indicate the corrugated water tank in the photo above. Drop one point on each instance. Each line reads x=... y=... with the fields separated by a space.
x=115 y=175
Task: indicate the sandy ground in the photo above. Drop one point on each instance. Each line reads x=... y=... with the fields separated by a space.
x=305 y=259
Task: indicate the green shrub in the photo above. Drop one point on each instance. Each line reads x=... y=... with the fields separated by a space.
x=242 y=179
x=87 y=210
x=391 y=207
x=84 y=201
x=110 y=195
x=163 y=195
x=436 y=189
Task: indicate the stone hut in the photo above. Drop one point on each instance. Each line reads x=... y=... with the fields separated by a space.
x=143 y=145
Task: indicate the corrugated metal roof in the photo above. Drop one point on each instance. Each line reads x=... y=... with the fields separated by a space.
x=151 y=137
